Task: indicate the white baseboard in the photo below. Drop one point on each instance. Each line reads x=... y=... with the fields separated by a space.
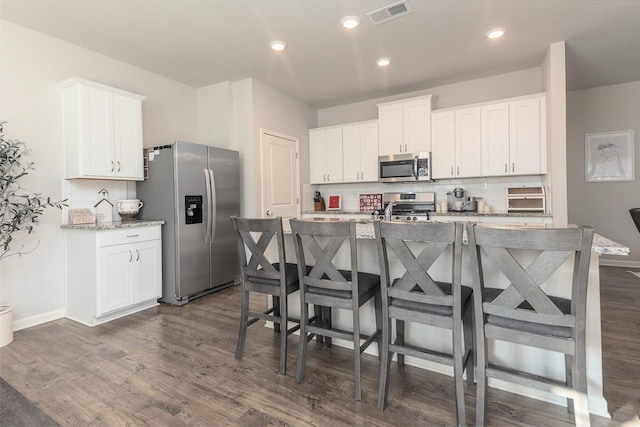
x=38 y=319
x=619 y=263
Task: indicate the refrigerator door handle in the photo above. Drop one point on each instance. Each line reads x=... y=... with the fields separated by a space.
x=214 y=208
x=207 y=181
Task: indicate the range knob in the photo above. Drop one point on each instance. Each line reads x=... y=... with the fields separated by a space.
x=415 y=218
x=398 y=218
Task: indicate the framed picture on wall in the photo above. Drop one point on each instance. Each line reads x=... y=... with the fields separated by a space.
x=609 y=156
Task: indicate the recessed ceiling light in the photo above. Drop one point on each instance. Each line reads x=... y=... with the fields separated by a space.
x=278 y=45
x=350 y=22
x=495 y=33
x=383 y=62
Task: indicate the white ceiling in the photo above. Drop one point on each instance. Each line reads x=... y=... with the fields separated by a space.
x=202 y=42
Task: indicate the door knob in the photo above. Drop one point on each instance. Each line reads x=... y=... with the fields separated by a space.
x=269 y=213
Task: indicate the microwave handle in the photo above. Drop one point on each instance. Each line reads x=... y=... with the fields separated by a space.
x=415 y=167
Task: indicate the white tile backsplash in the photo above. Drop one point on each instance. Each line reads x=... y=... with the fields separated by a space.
x=84 y=193
x=492 y=190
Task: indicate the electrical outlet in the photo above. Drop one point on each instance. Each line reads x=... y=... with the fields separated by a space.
x=484 y=185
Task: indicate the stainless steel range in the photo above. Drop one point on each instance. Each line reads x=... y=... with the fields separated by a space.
x=408 y=206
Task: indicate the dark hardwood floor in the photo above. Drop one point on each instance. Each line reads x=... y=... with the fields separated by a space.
x=175 y=366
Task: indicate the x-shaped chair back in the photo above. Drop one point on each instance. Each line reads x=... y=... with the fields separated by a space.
x=324 y=274
x=554 y=247
x=257 y=264
x=434 y=239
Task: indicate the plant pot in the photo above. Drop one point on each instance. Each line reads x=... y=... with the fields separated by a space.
x=6 y=324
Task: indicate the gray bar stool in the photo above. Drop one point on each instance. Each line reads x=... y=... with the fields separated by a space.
x=325 y=285
x=524 y=313
x=261 y=276
x=416 y=297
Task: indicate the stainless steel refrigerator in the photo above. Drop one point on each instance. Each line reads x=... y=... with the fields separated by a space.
x=195 y=189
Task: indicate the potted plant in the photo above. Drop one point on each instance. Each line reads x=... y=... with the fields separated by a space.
x=19 y=211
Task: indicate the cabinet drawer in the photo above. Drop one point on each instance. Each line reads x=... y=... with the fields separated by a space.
x=128 y=235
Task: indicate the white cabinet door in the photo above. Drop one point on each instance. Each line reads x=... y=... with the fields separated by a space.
x=351 y=160
x=127 y=139
x=369 y=152
x=468 y=143
x=115 y=278
x=325 y=156
x=443 y=144
x=525 y=150
x=333 y=158
x=391 y=129
x=495 y=139
x=96 y=116
x=147 y=271
x=317 y=156
x=417 y=126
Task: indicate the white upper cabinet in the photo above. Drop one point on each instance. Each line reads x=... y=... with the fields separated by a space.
x=325 y=155
x=102 y=131
x=495 y=139
x=405 y=126
x=468 y=145
x=443 y=144
x=455 y=143
x=360 y=152
x=513 y=138
x=525 y=152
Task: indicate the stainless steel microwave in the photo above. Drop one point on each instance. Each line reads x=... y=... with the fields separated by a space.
x=405 y=167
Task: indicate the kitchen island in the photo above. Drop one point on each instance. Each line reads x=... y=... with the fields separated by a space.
x=536 y=361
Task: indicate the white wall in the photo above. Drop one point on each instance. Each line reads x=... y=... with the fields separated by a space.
x=554 y=83
x=215 y=111
x=258 y=106
x=508 y=85
x=277 y=112
x=32 y=65
x=604 y=205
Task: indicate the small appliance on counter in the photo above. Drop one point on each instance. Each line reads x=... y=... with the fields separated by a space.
x=525 y=199
x=457 y=201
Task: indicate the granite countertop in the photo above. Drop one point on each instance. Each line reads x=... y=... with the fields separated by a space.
x=364 y=230
x=449 y=213
x=115 y=225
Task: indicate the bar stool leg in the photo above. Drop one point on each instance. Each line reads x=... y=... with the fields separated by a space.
x=356 y=351
x=377 y=302
x=302 y=347
x=244 y=319
x=469 y=339
x=385 y=365
x=400 y=339
x=458 y=369
x=275 y=301
x=283 y=327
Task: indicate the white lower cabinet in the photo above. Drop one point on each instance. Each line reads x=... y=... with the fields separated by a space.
x=112 y=273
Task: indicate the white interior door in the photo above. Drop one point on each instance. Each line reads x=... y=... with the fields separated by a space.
x=279 y=175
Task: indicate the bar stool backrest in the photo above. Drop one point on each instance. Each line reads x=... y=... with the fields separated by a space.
x=554 y=247
x=434 y=239
x=257 y=265
x=324 y=274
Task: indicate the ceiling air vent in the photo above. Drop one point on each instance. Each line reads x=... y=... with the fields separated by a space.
x=387 y=13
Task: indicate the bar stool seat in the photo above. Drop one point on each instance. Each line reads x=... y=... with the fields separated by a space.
x=367 y=284
x=290 y=275
x=440 y=310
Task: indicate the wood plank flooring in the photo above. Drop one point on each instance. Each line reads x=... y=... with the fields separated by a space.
x=175 y=366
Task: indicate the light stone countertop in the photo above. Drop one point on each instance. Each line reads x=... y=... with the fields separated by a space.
x=364 y=230
x=449 y=213
x=115 y=225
